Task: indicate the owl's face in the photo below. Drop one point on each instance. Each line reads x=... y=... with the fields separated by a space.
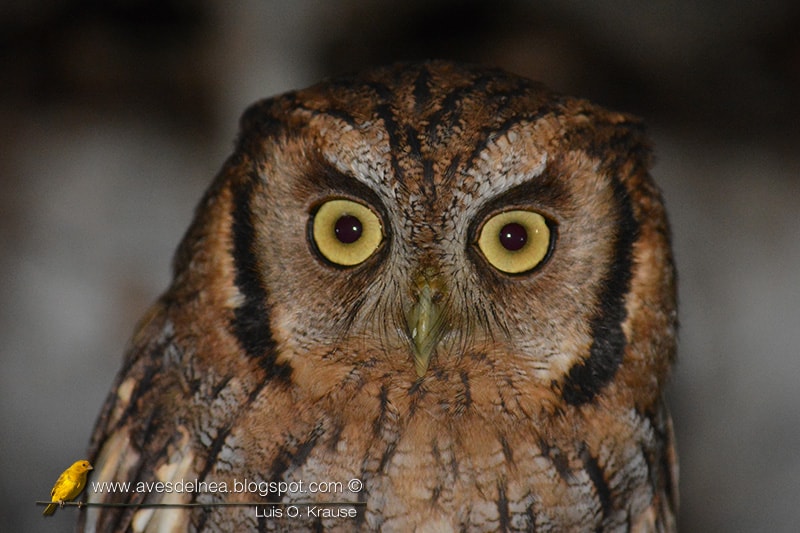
x=445 y=282
x=484 y=231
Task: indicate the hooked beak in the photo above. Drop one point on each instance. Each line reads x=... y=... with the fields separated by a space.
x=425 y=325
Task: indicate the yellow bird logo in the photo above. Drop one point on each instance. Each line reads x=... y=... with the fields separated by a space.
x=69 y=484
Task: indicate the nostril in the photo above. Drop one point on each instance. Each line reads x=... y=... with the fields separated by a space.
x=429 y=273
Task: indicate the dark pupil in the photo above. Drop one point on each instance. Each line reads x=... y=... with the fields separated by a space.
x=513 y=236
x=348 y=229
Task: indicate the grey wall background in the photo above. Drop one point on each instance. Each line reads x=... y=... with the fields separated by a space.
x=116 y=115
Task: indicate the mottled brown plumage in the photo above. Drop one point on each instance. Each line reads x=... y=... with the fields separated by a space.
x=470 y=382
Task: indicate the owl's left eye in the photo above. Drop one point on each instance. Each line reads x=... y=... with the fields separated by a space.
x=346 y=233
x=515 y=241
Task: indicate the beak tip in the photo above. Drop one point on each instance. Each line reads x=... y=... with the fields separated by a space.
x=422 y=359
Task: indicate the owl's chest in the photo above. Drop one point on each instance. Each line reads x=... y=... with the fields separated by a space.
x=397 y=471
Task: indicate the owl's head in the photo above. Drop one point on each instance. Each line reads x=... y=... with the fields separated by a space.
x=431 y=223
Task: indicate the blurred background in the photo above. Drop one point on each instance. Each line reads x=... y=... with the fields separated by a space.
x=115 y=115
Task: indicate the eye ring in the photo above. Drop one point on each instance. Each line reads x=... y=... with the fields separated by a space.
x=515 y=241
x=344 y=232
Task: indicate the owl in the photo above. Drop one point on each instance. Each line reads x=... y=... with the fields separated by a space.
x=426 y=297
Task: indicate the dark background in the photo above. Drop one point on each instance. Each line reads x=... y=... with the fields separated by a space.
x=115 y=115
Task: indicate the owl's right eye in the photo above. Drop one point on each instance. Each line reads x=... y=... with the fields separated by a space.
x=515 y=241
x=346 y=233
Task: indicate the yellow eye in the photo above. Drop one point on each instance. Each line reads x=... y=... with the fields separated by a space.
x=346 y=233
x=515 y=241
